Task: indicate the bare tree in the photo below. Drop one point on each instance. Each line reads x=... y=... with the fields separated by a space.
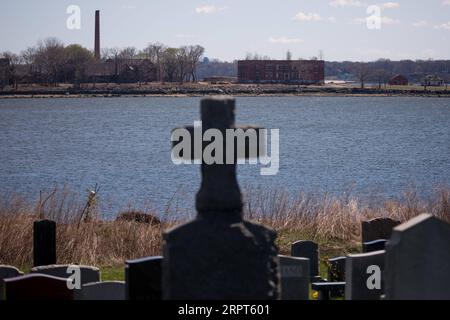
x=363 y=73
x=382 y=77
x=155 y=52
x=50 y=59
x=170 y=63
x=194 y=55
x=183 y=63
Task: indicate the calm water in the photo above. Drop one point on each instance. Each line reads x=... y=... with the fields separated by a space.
x=375 y=147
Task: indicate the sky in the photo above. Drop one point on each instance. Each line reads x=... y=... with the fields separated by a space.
x=229 y=29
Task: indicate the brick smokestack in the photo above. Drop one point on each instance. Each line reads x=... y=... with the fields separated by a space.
x=97 y=35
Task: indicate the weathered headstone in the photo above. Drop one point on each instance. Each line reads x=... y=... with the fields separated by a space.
x=377 y=245
x=143 y=278
x=375 y=229
x=108 y=290
x=44 y=243
x=336 y=269
x=364 y=276
x=88 y=274
x=219 y=256
x=310 y=250
x=294 y=278
x=37 y=287
x=5 y=273
x=418 y=260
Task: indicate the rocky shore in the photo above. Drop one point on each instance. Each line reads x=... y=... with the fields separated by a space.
x=225 y=89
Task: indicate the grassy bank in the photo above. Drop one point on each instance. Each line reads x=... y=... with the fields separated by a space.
x=334 y=222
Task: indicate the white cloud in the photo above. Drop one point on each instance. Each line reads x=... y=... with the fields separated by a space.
x=388 y=20
x=301 y=16
x=346 y=3
x=284 y=40
x=445 y=26
x=332 y=19
x=390 y=5
x=420 y=24
x=384 y=20
x=208 y=9
x=446 y=3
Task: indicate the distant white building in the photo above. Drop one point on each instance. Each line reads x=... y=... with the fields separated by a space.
x=432 y=81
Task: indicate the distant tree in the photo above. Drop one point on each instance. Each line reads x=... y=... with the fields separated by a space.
x=77 y=60
x=381 y=76
x=170 y=63
x=183 y=63
x=194 y=53
x=155 y=53
x=363 y=72
x=128 y=54
x=50 y=59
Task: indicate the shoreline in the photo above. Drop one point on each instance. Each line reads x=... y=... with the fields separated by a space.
x=211 y=90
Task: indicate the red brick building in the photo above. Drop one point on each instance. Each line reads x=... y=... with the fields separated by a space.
x=282 y=71
x=398 y=80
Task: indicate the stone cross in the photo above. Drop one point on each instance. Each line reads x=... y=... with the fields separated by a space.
x=220 y=256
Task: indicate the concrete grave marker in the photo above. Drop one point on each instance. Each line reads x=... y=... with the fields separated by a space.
x=87 y=274
x=37 y=287
x=5 y=273
x=418 y=260
x=294 y=278
x=376 y=229
x=143 y=279
x=108 y=290
x=310 y=250
x=364 y=276
x=44 y=243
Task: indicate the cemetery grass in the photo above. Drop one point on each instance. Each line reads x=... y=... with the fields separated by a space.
x=333 y=222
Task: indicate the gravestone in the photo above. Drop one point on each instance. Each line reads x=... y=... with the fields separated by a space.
x=336 y=269
x=364 y=276
x=418 y=260
x=377 y=245
x=44 y=243
x=294 y=278
x=336 y=273
x=143 y=279
x=310 y=250
x=328 y=290
x=219 y=256
x=5 y=273
x=87 y=274
x=37 y=287
x=108 y=290
x=375 y=229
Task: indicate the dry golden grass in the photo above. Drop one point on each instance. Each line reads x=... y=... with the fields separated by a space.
x=333 y=222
